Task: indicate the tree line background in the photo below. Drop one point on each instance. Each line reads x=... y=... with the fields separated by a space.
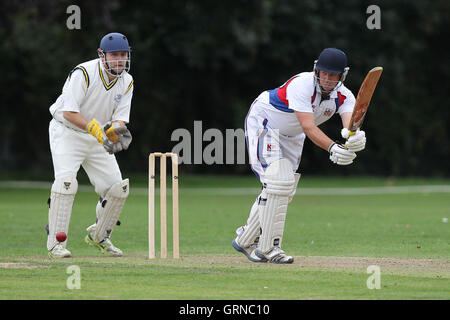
x=208 y=60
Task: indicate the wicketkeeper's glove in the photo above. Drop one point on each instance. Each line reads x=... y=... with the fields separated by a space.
x=340 y=155
x=119 y=137
x=96 y=130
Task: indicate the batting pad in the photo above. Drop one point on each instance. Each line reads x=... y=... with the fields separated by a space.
x=280 y=184
x=62 y=196
x=294 y=190
x=251 y=230
x=112 y=206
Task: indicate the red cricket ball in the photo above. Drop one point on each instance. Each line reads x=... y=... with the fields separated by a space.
x=61 y=236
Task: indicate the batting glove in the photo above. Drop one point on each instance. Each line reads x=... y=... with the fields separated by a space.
x=340 y=155
x=355 y=142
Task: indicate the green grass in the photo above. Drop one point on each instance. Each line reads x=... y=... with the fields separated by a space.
x=407 y=228
x=135 y=278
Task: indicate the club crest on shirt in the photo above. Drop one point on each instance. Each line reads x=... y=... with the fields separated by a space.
x=117 y=98
x=328 y=112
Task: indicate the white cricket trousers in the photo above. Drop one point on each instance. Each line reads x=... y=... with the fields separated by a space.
x=71 y=149
x=266 y=145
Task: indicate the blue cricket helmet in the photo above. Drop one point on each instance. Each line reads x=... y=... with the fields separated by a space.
x=114 y=42
x=332 y=60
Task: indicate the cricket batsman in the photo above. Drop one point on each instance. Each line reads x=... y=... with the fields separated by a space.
x=87 y=129
x=276 y=126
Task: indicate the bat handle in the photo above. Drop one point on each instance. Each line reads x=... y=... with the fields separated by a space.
x=350 y=133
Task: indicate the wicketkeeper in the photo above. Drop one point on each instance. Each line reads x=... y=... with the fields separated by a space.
x=88 y=127
x=276 y=126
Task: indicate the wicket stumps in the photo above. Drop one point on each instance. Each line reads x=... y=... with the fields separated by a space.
x=151 y=204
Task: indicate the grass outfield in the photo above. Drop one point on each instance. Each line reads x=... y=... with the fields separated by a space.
x=334 y=238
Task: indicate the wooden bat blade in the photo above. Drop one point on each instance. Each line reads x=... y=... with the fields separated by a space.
x=363 y=99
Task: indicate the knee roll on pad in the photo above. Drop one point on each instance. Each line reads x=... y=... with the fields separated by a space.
x=65 y=186
x=279 y=178
x=109 y=211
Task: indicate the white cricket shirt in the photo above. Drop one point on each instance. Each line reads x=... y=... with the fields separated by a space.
x=301 y=94
x=87 y=90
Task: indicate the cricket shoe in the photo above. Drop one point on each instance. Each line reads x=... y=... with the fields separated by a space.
x=59 y=251
x=248 y=251
x=276 y=255
x=105 y=246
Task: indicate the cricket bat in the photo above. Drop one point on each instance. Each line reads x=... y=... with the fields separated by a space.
x=363 y=99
